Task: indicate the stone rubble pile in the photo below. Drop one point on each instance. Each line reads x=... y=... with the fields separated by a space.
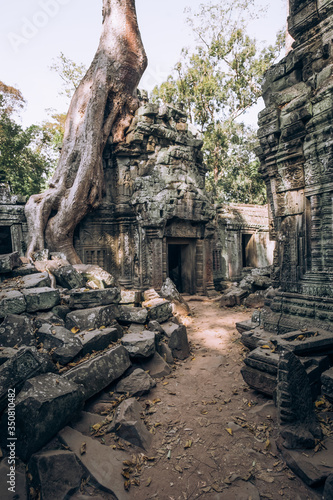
x=62 y=345
x=251 y=290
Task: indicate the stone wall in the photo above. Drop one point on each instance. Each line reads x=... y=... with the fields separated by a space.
x=242 y=240
x=296 y=153
x=13 y=227
x=155 y=219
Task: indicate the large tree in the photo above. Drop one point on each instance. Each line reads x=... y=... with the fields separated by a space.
x=216 y=83
x=103 y=104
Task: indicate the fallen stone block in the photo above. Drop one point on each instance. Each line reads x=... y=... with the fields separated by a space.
x=6 y=353
x=258 y=380
x=256 y=338
x=158 y=309
x=128 y=425
x=16 y=330
x=227 y=300
x=91 y=318
x=255 y=300
x=68 y=277
x=154 y=326
x=328 y=490
x=169 y=291
x=16 y=481
x=12 y=302
x=40 y=299
x=313 y=468
x=128 y=314
x=85 y=421
x=9 y=261
x=97 y=340
x=45 y=404
x=262 y=282
x=55 y=474
x=139 y=345
x=25 y=364
x=130 y=297
x=166 y=353
x=90 y=272
x=297 y=420
x=136 y=384
x=178 y=343
x=41 y=318
x=97 y=373
x=80 y=299
x=135 y=328
x=103 y=464
x=156 y=366
x=327 y=384
x=307 y=343
x=150 y=294
x=64 y=346
x=23 y=270
x=245 y=326
x=36 y=280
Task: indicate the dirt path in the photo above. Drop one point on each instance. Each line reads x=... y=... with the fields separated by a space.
x=214 y=438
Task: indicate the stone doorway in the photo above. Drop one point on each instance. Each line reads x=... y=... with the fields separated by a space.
x=5 y=240
x=181 y=264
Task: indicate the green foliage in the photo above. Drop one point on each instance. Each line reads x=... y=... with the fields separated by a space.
x=25 y=160
x=216 y=84
x=70 y=73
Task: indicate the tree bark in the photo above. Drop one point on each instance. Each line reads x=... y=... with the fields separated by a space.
x=103 y=104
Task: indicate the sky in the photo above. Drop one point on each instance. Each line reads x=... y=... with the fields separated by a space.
x=34 y=32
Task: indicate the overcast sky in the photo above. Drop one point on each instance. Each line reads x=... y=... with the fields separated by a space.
x=34 y=32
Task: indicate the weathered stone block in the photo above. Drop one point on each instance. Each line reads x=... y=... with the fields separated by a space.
x=97 y=373
x=9 y=261
x=103 y=464
x=40 y=299
x=130 y=297
x=128 y=314
x=55 y=474
x=97 y=340
x=26 y=363
x=64 y=346
x=327 y=384
x=36 y=280
x=12 y=302
x=45 y=404
x=102 y=278
x=6 y=353
x=158 y=309
x=92 y=318
x=178 y=341
x=128 y=425
x=16 y=330
x=136 y=384
x=139 y=345
x=156 y=366
x=68 y=277
x=93 y=298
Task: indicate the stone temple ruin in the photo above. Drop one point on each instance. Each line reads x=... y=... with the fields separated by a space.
x=156 y=222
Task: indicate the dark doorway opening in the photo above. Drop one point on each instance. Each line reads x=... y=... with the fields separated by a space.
x=175 y=266
x=5 y=240
x=246 y=252
x=181 y=264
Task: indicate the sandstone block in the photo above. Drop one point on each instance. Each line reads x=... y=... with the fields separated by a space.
x=128 y=425
x=139 y=345
x=136 y=384
x=64 y=346
x=9 y=261
x=12 y=302
x=156 y=366
x=68 y=277
x=40 y=299
x=80 y=299
x=97 y=340
x=92 y=318
x=16 y=330
x=97 y=373
x=128 y=314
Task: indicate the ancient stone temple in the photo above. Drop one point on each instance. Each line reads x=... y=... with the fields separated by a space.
x=155 y=220
x=13 y=226
x=296 y=153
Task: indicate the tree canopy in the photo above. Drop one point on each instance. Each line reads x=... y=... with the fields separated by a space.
x=26 y=158
x=216 y=83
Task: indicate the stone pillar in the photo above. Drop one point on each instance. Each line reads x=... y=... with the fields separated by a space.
x=126 y=255
x=208 y=267
x=199 y=264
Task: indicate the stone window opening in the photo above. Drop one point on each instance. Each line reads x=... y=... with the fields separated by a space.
x=5 y=240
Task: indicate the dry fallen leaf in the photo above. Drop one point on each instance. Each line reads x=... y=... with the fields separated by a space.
x=229 y=431
x=83 y=448
x=75 y=330
x=148 y=483
x=188 y=443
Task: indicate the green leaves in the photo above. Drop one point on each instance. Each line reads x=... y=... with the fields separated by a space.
x=217 y=83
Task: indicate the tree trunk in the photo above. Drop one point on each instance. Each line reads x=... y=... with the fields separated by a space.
x=103 y=104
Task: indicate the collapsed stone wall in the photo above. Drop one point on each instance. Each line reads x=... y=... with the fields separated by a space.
x=296 y=153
